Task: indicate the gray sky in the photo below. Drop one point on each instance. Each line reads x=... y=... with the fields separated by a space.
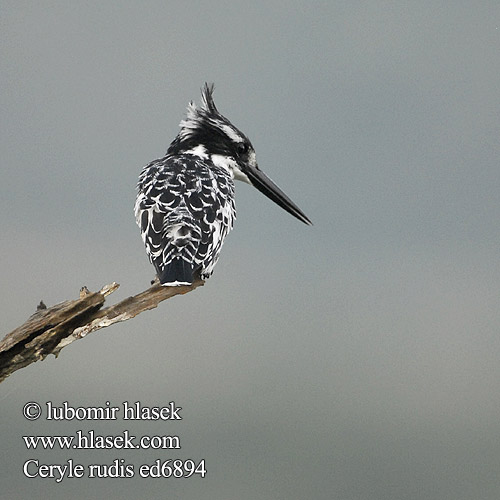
x=355 y=359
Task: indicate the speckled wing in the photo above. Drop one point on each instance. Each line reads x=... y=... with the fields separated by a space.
x=184 y=208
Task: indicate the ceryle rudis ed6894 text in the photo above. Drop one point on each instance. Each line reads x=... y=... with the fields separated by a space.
x=185 y=202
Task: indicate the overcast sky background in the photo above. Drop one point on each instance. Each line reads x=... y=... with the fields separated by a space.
x=355 y=359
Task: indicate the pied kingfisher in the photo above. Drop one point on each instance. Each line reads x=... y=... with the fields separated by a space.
x=185 y=202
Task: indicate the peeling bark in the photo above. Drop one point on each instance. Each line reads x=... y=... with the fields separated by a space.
x=51 y=329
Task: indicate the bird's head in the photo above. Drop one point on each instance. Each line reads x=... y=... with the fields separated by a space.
x=208 y=134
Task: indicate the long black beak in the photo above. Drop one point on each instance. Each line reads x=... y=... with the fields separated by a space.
x=265 y=185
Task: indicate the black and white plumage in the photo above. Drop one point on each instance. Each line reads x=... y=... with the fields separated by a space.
x=185 y=202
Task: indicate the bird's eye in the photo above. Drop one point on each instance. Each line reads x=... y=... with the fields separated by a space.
x=242 y=148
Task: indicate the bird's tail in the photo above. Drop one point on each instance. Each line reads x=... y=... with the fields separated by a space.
x=177 y=272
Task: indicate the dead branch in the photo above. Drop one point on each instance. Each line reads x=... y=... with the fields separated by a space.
x=50 y=330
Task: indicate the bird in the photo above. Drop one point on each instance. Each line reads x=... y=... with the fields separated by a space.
x=185 y=204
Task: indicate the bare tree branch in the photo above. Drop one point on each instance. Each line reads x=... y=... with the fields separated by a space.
x=50 y=330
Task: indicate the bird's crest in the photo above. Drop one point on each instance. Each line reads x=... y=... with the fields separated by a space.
x=207 y=99
x=207 y=116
